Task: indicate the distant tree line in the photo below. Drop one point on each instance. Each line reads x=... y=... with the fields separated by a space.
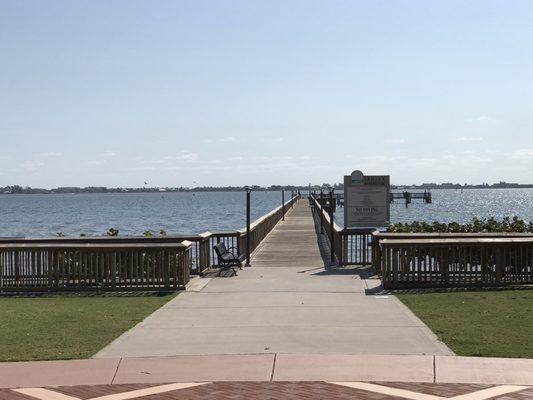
x=16 y=189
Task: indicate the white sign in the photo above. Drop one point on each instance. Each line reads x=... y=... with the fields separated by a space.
x=366 y=201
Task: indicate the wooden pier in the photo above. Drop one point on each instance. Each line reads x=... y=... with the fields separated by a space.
x=338 y=198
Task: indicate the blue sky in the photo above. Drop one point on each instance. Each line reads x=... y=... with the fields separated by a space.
x=264 y=92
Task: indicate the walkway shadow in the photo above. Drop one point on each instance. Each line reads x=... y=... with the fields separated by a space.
x=363 y=272
x=215 y=273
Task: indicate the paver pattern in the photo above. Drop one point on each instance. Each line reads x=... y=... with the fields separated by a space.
x=279 y=391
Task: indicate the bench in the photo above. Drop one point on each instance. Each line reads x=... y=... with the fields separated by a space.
x=227 y=259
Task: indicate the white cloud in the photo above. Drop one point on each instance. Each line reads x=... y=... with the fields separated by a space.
x=184 y=156
x=32 y=165
x=51 y=154
x=522 y=154
x=468 y=139
x=278 y=139
x=108 y=154
x=227 y=139
x=96 y=162
x=395 y=141
x=482 y=119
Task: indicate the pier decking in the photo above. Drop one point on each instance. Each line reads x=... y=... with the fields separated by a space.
x=289 y=301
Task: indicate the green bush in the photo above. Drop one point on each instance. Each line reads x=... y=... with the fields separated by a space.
x=477 y=225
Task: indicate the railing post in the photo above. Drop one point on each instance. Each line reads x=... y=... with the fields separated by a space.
x=167 y=267
x=113 y=268
x=332 y=228
x=283 y=205
x=248 y=227
x=205 y=252
x=183 y=270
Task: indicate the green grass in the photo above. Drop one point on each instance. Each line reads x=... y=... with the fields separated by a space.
x=485 y=323
x=67 y=327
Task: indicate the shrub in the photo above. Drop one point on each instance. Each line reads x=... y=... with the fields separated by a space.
x=477 y=225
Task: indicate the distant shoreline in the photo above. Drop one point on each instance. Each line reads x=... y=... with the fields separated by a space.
x=91 y=190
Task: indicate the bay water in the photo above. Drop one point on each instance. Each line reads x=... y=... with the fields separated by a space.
x=196 y=212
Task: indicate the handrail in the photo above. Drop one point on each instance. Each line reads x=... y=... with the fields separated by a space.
x=93 y=266
x=352 y=245
x=201 y=245
x=456 y=262
x=379 y=237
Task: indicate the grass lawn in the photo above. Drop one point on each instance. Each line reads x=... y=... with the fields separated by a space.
x=486 y=323
x=66 y=327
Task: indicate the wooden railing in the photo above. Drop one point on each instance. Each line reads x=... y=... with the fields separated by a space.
x=199 y=255
x=351 y=246
x=377 y=238
x=198 y=247
x=93 y=266
x=262 y=226
x=408 y=263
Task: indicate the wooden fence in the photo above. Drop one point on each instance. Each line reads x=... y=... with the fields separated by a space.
x=351 y=246
x=90 y=266
x=408 y=263
x=87 y=263
x=378 y=236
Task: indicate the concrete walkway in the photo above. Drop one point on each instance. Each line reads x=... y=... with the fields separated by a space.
x=287 y=302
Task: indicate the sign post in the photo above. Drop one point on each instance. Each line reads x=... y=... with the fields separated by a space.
x=366 y=200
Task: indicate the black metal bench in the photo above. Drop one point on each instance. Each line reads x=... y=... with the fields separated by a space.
x=227 y=259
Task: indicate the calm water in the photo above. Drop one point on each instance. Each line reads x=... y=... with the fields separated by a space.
x=72 y=214
x=131 y=213
x=462 y=206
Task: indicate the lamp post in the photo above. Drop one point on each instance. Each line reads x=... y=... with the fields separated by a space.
x=248 y=191
x=331 y=236
x=321 y=210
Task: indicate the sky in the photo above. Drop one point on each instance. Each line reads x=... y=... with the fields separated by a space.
x=213 y=93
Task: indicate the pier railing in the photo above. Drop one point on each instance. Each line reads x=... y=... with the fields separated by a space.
x=378 y=237
x=101 y=266
x=350 y=246
x=197 y=256
x=409 y=263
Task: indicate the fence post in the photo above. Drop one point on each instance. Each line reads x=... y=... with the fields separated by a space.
x=113 y=268
x=205 y=252
x=248 y=226
x=332 y=228
x=167 y=267
x=183 y=271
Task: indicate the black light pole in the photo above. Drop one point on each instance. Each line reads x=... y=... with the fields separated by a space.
x=248 y=191
x=321 y=210
x=331 y=236
x=283 y=205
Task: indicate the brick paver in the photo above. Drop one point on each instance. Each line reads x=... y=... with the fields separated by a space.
x=271 y=391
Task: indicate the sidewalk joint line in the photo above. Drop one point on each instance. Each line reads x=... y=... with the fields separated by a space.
x=273 y=367
x=434 y=369
x=116 y=371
